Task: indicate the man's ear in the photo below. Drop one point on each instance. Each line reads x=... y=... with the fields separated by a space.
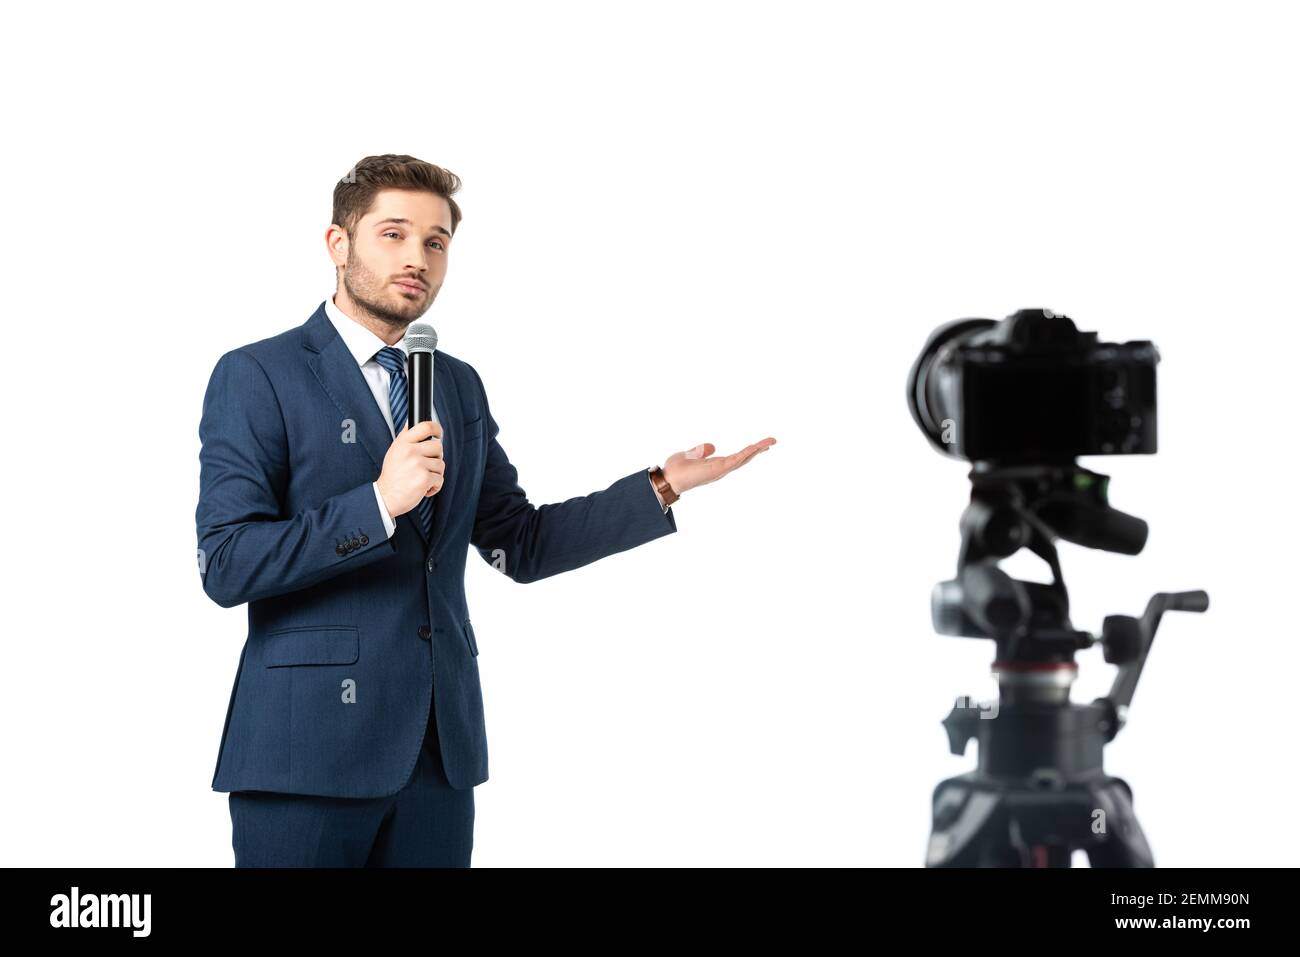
x=336 y=244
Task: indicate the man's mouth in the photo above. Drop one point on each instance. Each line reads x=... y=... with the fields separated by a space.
x=410 y=286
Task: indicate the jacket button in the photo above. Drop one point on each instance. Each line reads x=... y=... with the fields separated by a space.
x=340 y=549
x=429 y=565
x=425 y=633
x=355 y=543
x=365 y=539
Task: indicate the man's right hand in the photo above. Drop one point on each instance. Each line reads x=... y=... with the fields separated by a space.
x=413 y=468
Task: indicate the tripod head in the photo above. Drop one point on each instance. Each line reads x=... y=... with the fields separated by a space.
x=1029 y=507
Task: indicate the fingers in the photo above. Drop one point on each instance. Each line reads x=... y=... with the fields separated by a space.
x=749 y=451
x=426 y=437
x=715 y=468
x=438 y=479
x=705 y=449
x=762 y=445
x=702 y=450
x=423 y=430
x=435 y=466
x=737 y=459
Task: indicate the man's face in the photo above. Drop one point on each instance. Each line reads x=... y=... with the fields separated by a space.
x=398 y=256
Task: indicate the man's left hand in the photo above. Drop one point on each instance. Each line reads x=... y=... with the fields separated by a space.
x=699 y=466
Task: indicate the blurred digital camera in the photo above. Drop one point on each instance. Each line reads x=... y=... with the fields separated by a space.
x=1033 y=389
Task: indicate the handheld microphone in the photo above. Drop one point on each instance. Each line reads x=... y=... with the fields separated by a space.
x=421 y=341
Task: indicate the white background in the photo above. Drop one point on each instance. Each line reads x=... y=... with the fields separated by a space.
x=684 y=222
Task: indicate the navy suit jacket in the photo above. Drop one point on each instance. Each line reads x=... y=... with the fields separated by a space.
x=352 y=634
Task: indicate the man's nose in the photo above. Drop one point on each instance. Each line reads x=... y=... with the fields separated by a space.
x=415 y=257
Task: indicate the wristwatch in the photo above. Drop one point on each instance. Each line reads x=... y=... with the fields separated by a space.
x=661 y=485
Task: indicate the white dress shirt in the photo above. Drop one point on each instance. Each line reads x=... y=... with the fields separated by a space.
x=363 y=344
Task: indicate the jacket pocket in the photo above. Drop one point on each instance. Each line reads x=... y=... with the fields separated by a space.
x=469 y=637
x=470 y=431
x=312 y=645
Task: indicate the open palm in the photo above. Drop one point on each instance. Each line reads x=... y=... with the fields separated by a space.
x=699 y=466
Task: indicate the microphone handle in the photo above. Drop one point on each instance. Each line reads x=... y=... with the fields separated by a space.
x=419 y=381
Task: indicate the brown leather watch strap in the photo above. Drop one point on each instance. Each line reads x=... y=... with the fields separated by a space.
x=661 y=485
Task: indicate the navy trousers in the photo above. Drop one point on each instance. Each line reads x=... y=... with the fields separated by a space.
x=428 y=823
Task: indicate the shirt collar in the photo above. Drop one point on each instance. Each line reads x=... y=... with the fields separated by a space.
x=361 y=342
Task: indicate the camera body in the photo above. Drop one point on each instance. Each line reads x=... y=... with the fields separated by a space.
x=1033 y=388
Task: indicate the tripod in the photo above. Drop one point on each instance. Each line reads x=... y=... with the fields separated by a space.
x=1039 y=791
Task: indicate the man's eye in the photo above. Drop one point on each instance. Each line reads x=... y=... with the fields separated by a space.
x=438 y=241
x=391 y=232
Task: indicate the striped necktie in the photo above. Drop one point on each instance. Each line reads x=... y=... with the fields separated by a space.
x=394 y=360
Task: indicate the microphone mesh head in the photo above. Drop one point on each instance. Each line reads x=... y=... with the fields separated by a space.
x=420 y=337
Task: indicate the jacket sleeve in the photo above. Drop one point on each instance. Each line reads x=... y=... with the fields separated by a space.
x=530 y=542
x=246 y=550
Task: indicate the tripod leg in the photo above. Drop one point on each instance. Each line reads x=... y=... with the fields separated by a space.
x=1123 y=844
x=965 y=825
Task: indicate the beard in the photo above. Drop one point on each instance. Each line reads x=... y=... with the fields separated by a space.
x=381 y=299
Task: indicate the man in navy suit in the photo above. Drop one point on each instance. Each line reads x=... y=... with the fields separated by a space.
x=355 y=733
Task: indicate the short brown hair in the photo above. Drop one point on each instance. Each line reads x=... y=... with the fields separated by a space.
x=355 y=192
